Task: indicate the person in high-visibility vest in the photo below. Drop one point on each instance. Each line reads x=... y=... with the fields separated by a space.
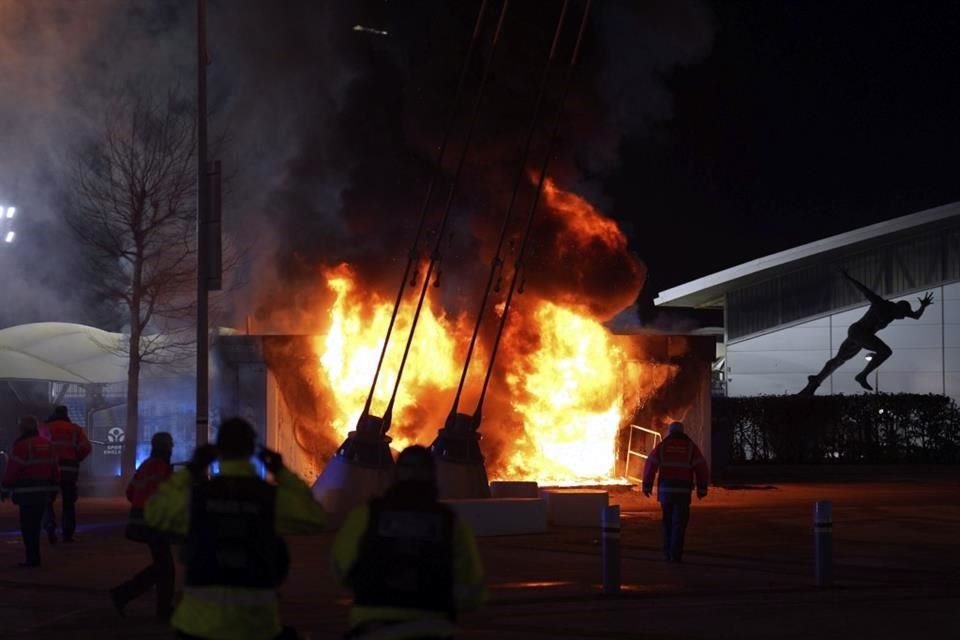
x=233 y=553
x=411 y=563
x=32 y=477
x=160 y=573
x=71 y=446
x=680 y=465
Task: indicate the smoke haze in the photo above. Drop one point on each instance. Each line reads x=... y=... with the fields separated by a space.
x=330 y=133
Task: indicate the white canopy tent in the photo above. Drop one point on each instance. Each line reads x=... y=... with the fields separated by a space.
x=62 y=352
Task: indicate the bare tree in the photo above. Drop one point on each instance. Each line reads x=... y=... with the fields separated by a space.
x=132 y=207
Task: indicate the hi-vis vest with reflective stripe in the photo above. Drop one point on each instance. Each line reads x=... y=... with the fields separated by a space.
x=69 y=446
x=32 y=473
x=677 y=458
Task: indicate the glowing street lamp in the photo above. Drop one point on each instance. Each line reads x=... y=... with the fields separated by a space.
x=379 y=32
x=6 y=223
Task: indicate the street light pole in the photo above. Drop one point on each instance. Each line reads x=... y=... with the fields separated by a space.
x=203 y=229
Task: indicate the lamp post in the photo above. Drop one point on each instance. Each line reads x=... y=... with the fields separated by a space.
x=209 y=202
x=203 y=217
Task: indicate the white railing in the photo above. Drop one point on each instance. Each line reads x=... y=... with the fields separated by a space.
x=642 y=451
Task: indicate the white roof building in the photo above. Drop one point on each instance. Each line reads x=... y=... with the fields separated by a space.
x=785 y=314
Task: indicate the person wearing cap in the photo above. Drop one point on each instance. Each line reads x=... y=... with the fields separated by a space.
x=680 y=465
x=160 y=572
x=32 y=477
x=71 y=447
x=233 y=554
x=410 y=562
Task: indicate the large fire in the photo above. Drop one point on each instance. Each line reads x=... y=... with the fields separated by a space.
x=349 y=350
x=572 y=392
x=564 y=382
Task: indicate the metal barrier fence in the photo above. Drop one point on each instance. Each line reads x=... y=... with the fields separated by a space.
x=640 y=443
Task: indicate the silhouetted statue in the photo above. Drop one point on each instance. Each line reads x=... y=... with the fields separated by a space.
x=862 y=334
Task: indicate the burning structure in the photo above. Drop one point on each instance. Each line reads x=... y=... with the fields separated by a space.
x=539 y=376
x=562 y=397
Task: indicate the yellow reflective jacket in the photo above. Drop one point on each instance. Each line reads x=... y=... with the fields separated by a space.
x=468 y=580
x=233 y=613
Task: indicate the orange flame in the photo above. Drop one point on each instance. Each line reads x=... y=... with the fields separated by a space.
x=584 y=223
x=563 y=378
x=572 y=391
x=349 y=351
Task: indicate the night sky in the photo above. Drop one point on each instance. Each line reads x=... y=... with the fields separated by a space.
x=807 y=119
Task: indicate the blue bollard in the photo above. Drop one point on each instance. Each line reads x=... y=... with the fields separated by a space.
x=823 y=541
x=610 y=549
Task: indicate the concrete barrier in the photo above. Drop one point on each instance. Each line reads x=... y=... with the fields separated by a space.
x=514 y=489
x=575 y=507
x=343 y=486
x=503 y=516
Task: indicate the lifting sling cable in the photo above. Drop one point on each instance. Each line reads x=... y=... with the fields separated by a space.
x=518 y=265
x=448 y=206
x=450 y=118
x=496 y=264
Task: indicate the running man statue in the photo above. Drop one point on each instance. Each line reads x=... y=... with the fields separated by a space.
x=862 y=334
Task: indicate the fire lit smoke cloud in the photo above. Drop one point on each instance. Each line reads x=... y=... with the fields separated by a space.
x=329 y=132
x=563 y=384
x=329 y=136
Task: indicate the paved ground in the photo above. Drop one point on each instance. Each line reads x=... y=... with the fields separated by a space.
x=748 y=573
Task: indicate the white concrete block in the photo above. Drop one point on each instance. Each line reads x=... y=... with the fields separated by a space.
x=503 y=516
x=343 y=486
x=575 y=507
x=514 y=489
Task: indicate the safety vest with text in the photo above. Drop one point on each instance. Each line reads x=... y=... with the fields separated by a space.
x=231 y=541
x=679 y=463
x=406 y=557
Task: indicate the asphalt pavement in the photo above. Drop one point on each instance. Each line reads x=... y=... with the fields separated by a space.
x=747 y=572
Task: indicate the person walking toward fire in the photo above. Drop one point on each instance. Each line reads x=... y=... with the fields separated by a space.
x=32 y=477
x=71 y=447
x=410 y=562
x=233 y=554
x=160 y=573
x=862 y=334
x=680 y=465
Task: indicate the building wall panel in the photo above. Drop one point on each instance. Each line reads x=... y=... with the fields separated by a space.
x=761 y=362
x=765 y=384
x=926 y=354
x=800 y=336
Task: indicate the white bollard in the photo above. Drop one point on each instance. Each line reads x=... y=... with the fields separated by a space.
x=610 y=549
x=823 y=541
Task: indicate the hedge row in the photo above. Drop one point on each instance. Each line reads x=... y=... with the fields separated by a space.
x=867 y=429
